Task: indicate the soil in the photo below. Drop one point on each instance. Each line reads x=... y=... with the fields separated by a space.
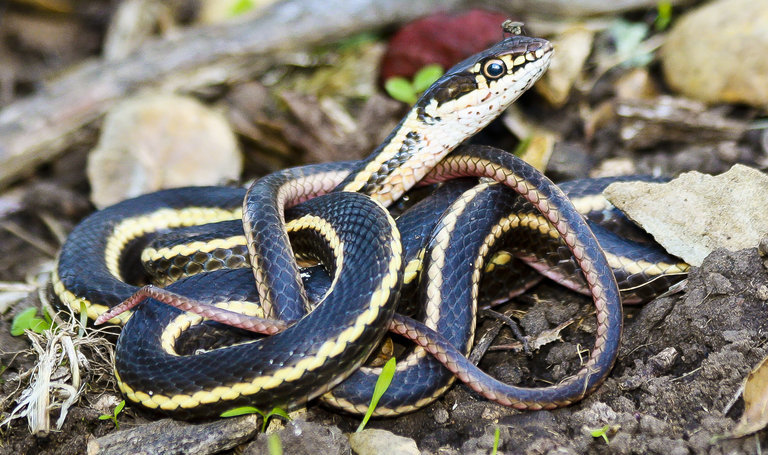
x=674 y=389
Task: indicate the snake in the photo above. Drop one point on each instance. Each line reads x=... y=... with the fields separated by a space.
x=336 y=214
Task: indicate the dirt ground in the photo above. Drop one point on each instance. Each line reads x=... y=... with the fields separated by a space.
x=675 y=388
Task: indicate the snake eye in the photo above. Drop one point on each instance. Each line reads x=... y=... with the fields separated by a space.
x=494 y=68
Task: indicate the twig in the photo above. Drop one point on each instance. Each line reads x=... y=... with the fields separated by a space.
x=36 y=129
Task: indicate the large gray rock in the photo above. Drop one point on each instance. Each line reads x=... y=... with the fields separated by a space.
x=696 y=213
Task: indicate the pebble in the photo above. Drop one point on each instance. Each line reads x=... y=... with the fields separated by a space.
x=441 y=415
x=376 y=442
x=762 y=292
x=572 y=47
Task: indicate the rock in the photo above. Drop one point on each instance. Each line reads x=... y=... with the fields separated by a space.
x=716 y=53
x=160 y=141
x=696 y=213
x=441 y=415
x=636 y=84
x=171 y=436
x=375 y=442
x=300 y=437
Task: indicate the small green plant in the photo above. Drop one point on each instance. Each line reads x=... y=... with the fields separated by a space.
x=496 y=435
x=628 y=38
x=243 y=410
x=382 y=384
x=83 y=319
x=115 y=412
x=601 y=433
x=407 y=91
x=522 y=146
x=663 y=15
x=241 y=7
x=28 y=320
x=355 y=41
x=274 y=444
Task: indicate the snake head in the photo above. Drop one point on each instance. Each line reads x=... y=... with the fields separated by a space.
x=477 y=89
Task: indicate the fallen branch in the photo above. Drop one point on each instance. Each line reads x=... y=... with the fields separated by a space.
x=36 y=129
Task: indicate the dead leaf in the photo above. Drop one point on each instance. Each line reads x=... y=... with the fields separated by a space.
x=755 y=415
x=540 y=141
x=573 y=46
x=440 y=38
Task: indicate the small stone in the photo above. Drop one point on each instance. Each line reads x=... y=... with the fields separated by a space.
x=664 y=360
x=490 y=413
x=441 y=416
x=106 y=403
x=693 y=215
x=636 y=84
x=374 y=442
x=762 y=292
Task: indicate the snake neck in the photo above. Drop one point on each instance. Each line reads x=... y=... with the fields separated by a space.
x=413 y=148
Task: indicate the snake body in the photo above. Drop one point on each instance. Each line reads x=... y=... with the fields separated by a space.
x=335 y=214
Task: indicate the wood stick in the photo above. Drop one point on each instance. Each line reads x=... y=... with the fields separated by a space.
x=36 y=129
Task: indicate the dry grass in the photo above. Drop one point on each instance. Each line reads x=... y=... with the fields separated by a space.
x=68 y=356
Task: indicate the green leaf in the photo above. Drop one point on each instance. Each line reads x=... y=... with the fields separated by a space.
x=400 y=89
x=38 y=325
x=628 y=36
x=83 y=319
x=278 y=412
x=274 y=444
x=28 y=320
x=382 y=384
x=663 y=15
x=105 y=417
x=274 y=412
x=119 y=408
x=243 y=410
x=496 y=435
x=601 y=433
x=426 y=77
x=240 y=7
x=23 y=321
